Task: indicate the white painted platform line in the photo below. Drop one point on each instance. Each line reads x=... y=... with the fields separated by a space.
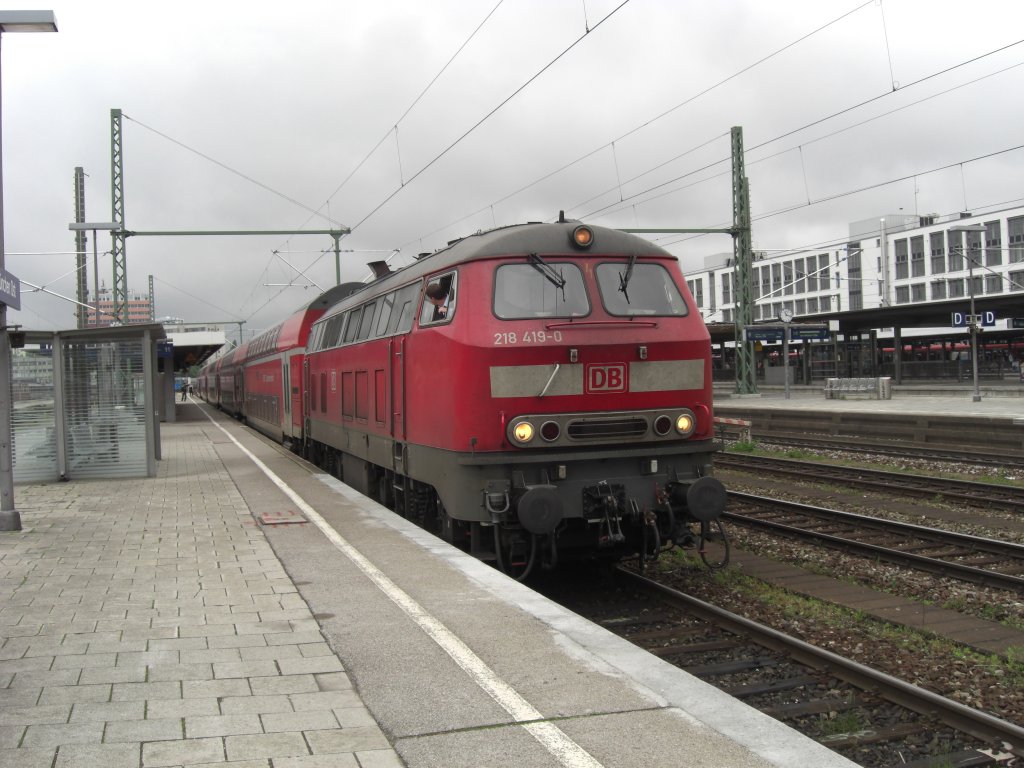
x=553 y=739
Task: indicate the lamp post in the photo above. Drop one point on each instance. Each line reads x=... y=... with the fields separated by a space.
x=10 y=520
x=111 y=226
x=980 y=228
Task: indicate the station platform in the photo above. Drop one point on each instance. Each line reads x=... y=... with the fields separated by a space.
x=999 y=401
x=244 y=609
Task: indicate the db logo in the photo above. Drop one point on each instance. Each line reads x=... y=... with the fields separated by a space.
x=606 y=378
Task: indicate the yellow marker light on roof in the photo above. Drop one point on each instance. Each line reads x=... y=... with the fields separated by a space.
x=523 y=432
x=582 y=236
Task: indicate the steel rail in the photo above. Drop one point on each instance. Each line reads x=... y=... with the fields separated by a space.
x=971 y=492
x=979 y=724
x=963 y=572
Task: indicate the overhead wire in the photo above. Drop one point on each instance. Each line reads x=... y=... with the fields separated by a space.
x=660 y=116
x=609 y=208
x=228 y=168
x=388 y=133
x=487 y=116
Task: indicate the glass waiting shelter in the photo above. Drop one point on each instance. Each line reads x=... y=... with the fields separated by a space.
x=84 y=404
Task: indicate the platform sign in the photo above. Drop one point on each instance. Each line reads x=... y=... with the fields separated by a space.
x=985 y=319
x=763 y=334
x=808 y=332
x=10 y=289
x=1016 y=322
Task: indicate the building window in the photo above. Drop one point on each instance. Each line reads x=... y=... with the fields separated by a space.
x=726 y=315
x=726 y=288
x=1016 y=280
x=826 y=303
x=776 y=279
x=993 y=244
x=993 y=283
x=956 y=288
x=902 y=294
x=812 y=306
x=917 y=256
x=938 y=253
x=823 y=275
x=956 y=251
x=811 y=272
x=938 y=289
x=1015 y=228
x=974 y=248
x=787 y=278
x=697 y=289
x=917 y=292
x=902 y=260
x=766 y=281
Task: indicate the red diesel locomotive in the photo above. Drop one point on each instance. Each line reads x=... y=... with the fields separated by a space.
x=532 y=392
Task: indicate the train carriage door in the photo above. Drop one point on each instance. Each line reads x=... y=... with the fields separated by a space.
x=399 y=326
x=397 y=388
x=285 y=415
x=294 y=394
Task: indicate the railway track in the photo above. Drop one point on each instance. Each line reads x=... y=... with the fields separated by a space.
x=868 y=716
x=968 y=558
x=910 y=450
x=968 y=492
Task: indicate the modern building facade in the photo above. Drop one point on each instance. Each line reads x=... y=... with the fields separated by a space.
x=140 y=309
x=889 y=261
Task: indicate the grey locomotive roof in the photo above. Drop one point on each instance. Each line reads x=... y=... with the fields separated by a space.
x=540 y=238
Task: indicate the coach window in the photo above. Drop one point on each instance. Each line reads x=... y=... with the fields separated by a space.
x=639 y=289
x=539 y=289
x=438 y=300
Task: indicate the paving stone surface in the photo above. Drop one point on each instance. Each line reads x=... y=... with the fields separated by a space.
x=148 y=623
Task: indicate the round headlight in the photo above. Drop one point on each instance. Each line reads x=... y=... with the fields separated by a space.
x=523 y=432
x=685 y=423
x=662 y=425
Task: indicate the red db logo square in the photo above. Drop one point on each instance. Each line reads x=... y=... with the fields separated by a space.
x=606 y=378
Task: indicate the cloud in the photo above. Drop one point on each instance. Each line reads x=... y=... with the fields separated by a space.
x=243 y=115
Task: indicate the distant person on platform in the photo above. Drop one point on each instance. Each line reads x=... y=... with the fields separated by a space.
x=184 y=393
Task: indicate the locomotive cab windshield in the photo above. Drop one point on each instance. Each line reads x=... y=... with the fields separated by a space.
x=524 y=291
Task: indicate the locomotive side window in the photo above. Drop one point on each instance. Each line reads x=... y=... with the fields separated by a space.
x=521 y=291
x=352 y=326
x=402 y=314
x=639 y=289
x=386 y=306
x=367 y=323
x=332 y=331
x=438 y=300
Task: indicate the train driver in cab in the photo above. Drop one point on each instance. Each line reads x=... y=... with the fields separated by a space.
x=440 y=303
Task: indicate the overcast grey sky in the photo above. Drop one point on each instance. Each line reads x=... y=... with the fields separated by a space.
x=257 y=115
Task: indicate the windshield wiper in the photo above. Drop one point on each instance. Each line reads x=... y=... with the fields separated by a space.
x=553 y=277
x=624 y=278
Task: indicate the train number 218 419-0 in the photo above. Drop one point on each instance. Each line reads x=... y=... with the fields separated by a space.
x=527 y=337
